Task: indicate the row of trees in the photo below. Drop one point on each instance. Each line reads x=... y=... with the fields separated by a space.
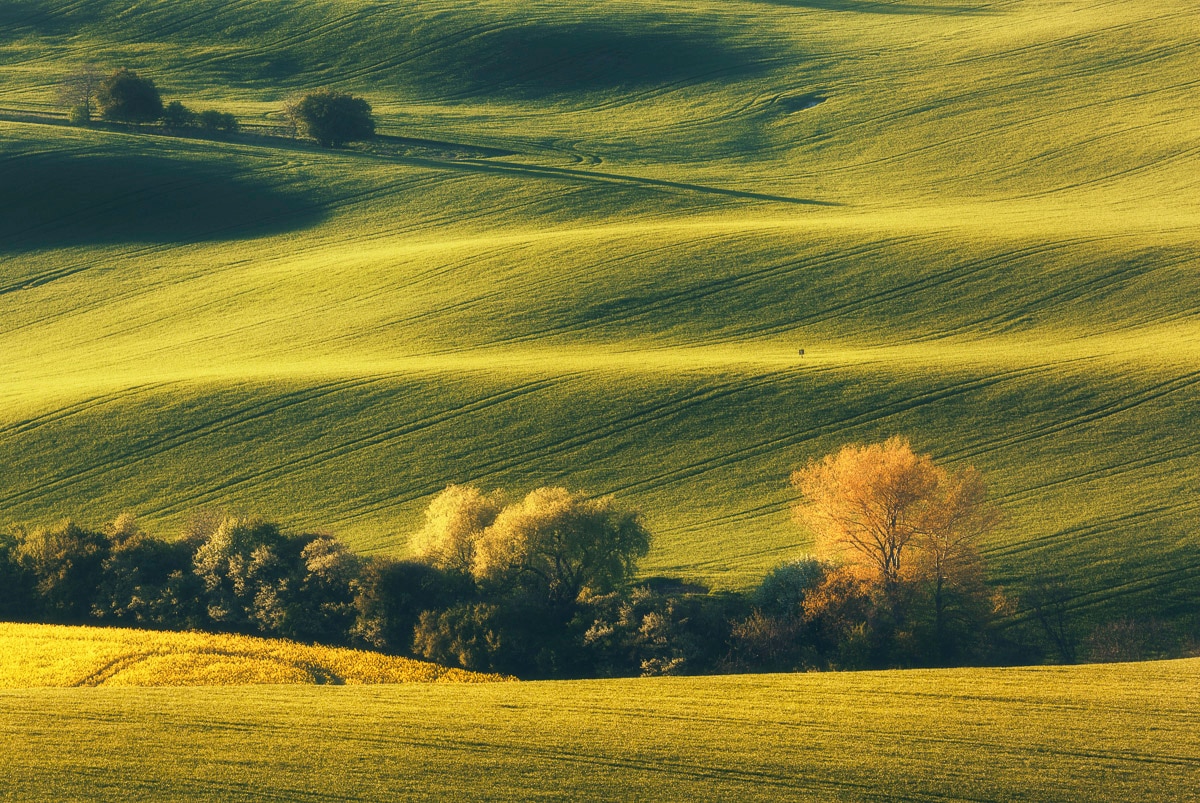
x=126 y=97
x=331 y=118
x=542 y=586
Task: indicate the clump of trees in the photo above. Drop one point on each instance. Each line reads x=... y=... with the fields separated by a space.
x=330 y=117
x=545 y=585
x=126 y=97
x=178 y=117
x=905 y=533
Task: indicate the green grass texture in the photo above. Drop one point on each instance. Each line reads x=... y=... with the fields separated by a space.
x=1113 y=732
x=586 y=252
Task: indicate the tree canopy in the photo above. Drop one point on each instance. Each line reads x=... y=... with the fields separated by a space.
x=129 y=98
x=332 y=118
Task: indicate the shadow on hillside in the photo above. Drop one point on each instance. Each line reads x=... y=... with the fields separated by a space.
x=547 y=59
x=933 y=7
x=50 y=200
x=21 y=17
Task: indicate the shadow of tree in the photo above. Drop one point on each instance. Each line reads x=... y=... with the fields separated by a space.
x=53 y=199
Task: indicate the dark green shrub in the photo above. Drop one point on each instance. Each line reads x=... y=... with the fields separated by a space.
x=17 y=601
x=66 y=565
x=217 y=122
x=391 y=596
x=176 y=116
x=127 y=97
x=332 y=118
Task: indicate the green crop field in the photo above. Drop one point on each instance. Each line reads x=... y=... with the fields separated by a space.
x=1114 y=732
x=585 y=251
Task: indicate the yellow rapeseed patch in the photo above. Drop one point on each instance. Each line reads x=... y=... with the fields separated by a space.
x=52 y=655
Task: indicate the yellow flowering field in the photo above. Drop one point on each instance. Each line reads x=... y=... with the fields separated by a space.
x=52 y=655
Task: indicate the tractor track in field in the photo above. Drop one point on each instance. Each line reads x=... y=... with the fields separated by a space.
x=1124 y=404
x=646 y=416
x=370 y=440
x=187 y=435
x=759 y=448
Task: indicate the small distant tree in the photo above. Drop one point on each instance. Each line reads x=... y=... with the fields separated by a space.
x=176 y=116
x=332 y=118
x=78 y=93
x=217 y=122
x=129 y=98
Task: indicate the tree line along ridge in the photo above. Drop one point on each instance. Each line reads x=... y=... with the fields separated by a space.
x=330 y=117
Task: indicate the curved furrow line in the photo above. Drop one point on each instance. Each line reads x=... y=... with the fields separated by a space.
x=432 y=275
x=180 y=437
x=428 y=46
x=944 y=278
x=16 y=429
x=1082 y=531
x=320 y=457
x=1068 y=293
x=1151 y=460
x=1103 y=34
x=87 y=49
x=641 y=418
x=741 y=454
x=281 y=44
x=737 y=517
x=705 y=290
x=1011 y=128
x=1022 y=86
x=1151 y=164
x=1124 y=404
x=1050 y=154
x=1156 y=584
x=87 y=305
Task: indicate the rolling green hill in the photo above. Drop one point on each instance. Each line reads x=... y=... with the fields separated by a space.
x=586 y=252
x=1115 y=732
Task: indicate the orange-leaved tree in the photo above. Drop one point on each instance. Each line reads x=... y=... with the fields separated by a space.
x=866 y=503
x=898 y=516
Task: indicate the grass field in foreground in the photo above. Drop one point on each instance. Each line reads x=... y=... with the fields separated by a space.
x=984 y=235
x=1115 y=732
x=47 y=655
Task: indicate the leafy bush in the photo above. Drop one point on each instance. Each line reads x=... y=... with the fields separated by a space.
x=127 y=97
x=332 y=118
x=217 y=122
x=176 y=115
x=556 y=544
x=66 y=565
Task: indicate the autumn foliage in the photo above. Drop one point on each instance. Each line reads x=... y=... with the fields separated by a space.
x=906 y=529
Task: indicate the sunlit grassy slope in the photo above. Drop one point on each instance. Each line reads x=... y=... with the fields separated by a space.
x=978 y=219
x=44 y=655
x=1109 y=732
